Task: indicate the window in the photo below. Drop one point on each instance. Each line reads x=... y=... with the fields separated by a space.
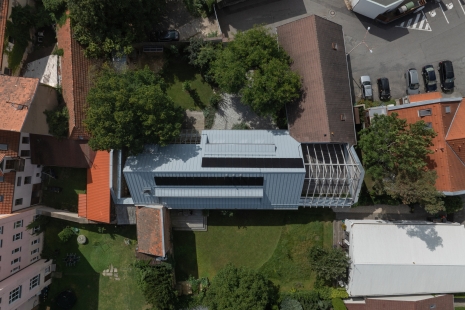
x=11 y=40
x=18 y=182
x=25 y=140
x=36 y=241
x=429 y=125
x=18 y=201
x=15 y=269
x=1 y=243
x=34 y=251
x=16 y=260
x=27 y=180
x=10 y=164
x=425 y=112
x=3 y=147
x=34 y=258
x=15 y=294
x=18 y=236
x=209 y=181
x=447 y=109
x=7 y=71
x=1 y=198
x=47 y=270
x=25 y=153
x=1 y=178
x=34 y=282
x=18 y=224
x=1 y=230
x=16 y=250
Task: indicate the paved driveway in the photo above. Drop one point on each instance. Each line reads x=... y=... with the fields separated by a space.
x=424 y=38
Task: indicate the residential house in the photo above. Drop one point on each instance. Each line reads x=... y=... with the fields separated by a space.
x=23 y=274
x=22 y=102
x=446 y=116
x=412 y=302
x=404 y=258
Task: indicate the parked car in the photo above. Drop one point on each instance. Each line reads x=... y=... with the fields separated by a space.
x=169 y=35
x=446 y=75
x=429 y=77
x=413 y=83
x=384 y=90
x=367 y=90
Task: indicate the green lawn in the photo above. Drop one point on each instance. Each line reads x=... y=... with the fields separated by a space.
x=274 y=242
x=93 y=290
x=179 y=71
x=73 y=181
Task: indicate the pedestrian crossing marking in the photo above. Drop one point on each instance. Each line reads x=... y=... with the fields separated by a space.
x=418 y=22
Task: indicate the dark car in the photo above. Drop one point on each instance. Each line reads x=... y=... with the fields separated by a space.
x=429 y=77
x=384 y=90
x=446 y=75
x=169 y=35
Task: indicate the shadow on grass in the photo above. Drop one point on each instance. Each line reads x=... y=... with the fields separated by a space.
x=184 y=247
x=195 y=96
x=180 y=70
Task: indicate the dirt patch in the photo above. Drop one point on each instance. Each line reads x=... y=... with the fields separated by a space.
x=194 y=120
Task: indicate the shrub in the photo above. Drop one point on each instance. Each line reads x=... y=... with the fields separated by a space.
x=240 y=126
x=453 y=204
x=290 y=304
x=57 y=120
x=65 y=234
x=38 y=225
x=338 y=304
x=58 y=52
x=186 y=86
x=209 y=114
x=215 y=100
x=339 y=293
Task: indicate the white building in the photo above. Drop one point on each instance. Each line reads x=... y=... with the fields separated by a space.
x=405 y=258
x=373 y=8
x=22 y=273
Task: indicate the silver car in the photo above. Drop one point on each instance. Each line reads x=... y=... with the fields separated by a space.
x=367 y=90
x=413 y=83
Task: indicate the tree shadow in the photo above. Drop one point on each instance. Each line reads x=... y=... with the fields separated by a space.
x=426 y=233
x=195 y=96
x=185 y=255
x=178 y=70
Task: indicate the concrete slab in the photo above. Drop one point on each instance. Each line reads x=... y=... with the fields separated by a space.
x=45 y=69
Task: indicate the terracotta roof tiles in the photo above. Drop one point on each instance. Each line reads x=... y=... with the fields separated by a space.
x=324 y=113
x=150 y=230
x=82 y=205
x=98 y=189
x=424 y=97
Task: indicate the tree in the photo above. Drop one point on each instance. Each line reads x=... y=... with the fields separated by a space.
x=453 y=204
x=329 y=265
x=239 y=289
x=156 y=284
x=253 y=65
x=130 y=110
x=106 y=26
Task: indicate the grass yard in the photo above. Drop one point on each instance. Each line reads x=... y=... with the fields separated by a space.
x=179 y=71
x=274 y=242
x=73 y=181
x=93 y=290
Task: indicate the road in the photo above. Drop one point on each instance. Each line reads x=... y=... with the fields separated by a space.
x=423 y=38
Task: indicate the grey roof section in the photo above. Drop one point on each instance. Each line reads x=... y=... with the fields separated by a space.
x=385 y=3
x=227 y=143
x=199 y=192
x=125 y=214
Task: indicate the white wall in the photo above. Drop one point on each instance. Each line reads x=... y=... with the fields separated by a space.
x=372 y=9
x=24 y=191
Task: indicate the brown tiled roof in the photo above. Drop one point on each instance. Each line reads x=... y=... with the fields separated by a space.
x=326 y=100
x=150 y=227
x=3 y=19
x=98 y=189
x=448 y=158
x=443 y=302
x=424 y=97
x=75 y=83
x=16 y=96
x=50 y=151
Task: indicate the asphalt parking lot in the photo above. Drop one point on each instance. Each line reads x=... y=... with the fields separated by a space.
x=437 y=33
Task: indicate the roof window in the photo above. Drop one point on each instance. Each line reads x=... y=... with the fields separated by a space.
x=448 y=109
x=426 y=112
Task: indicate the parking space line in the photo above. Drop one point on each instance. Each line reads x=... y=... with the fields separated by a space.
x=460 y=4
x=440 y=4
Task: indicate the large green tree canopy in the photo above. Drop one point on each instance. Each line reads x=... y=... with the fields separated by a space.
x=394 y=155
x=239 y=289
x=129 y=110
x=105 y=26
x=330 y=264
x=256 y=67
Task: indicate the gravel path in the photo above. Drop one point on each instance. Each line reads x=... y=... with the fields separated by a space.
x=231 y=111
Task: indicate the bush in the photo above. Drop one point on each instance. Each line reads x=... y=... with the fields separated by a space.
x=209 y=114
x=200 y=7
x=338 y=304
x=186 y=86
x=215 y=100
x=339 y=293
x=58 y=52
x=65 y=234
x=290 y=304
x=57 y=120
x=453 y=204
x=241 y=126
x=308 y=300
x=38 y=225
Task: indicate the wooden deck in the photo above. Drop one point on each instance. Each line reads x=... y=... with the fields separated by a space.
x=191 y=220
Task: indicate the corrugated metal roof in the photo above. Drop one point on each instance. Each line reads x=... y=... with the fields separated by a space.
x=98 y=188
x=241 y=136
x=402 y=259
x=239 y=150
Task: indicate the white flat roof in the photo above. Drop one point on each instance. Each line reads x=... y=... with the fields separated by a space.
x=406 y=258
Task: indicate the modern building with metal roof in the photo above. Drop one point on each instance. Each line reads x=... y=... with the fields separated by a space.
x=405 y=258
x=244 y=169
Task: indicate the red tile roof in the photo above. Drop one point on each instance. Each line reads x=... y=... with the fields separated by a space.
x=3 y=19
x=443 y=302
x=98 y=188
x=82 y=205
x=317 y=117
x=448 y=158
x=50 y=151
x=76 y=82
x=424 y=97
x=16 y=96
x=151 y=234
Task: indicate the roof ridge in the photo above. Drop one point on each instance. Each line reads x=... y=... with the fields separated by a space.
x=453 y=119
